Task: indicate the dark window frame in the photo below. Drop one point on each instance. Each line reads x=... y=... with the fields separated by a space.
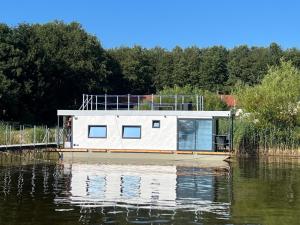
x=135 y=126
x=155 y=121
x=89 y=127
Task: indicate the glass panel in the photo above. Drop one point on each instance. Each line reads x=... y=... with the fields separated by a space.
x=97 y=131
x=131 y=132
x=186 y=135
x=155 y=124
x=195 y=134
x=204 y=134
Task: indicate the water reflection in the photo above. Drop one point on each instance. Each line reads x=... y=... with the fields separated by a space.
x=149 y=187
x=253 y=192
x=43 y=193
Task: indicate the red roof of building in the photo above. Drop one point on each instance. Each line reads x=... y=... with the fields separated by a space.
x=229 y=100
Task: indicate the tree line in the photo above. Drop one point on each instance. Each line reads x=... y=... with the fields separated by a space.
x=45 y=67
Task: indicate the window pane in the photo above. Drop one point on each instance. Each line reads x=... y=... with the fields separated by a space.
x=155 y=124
x=204 y=135
x=131 y=132
x=97 y=131
x=186 y=135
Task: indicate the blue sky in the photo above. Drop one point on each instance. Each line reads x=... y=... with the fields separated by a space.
x=168 y=23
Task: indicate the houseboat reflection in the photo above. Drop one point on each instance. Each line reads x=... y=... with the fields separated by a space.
x=147 y=187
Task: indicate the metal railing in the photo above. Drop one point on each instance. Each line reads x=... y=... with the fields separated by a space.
x=142 y=102
x=14 y=134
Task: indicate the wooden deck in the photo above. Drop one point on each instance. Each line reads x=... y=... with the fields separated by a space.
x=31 y=145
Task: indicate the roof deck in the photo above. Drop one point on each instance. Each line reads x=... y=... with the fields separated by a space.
x=143 y=102
x=202 y=114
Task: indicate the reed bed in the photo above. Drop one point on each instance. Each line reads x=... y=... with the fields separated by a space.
x=250 y=138
x=15 y=133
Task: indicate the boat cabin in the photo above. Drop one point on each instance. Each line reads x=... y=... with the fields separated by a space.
x=145 y=123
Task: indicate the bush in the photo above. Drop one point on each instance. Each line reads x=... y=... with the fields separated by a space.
x=211 y=100
x=271 y=118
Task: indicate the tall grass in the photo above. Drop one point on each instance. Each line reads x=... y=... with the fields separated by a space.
x=14 y=133
x=250 y=138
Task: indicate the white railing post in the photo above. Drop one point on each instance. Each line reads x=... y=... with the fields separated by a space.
x=91 y=102
x=20 y=135
x=47 y=136
x=105 y=101
x=82 y=101
x=57 y=132
x=85 y=102
x=128 y=101
x=34 y=135
x=152 y=102
x=6 y=134
x=10 y=134
x=197 y=102
x=117 y=102
x=96 y=102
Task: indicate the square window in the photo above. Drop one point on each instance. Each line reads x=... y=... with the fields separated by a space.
x=97 y=131
x=155 y=123
x=131 y=132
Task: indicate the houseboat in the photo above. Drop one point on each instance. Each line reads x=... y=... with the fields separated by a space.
x=145 y=123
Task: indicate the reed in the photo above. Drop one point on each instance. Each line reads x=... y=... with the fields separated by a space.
x=251 y=138
x=15 y=133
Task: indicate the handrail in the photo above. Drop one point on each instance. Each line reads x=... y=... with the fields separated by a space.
x=142 y=102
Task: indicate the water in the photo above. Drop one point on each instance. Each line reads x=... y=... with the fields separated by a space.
x=250 y=192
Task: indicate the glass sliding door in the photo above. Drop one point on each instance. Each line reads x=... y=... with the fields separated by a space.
x=186 y=134
x=203 y=130
x=195 y=134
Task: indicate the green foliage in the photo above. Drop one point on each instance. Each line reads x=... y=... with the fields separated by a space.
x=13 y=133
x=136 y=67
x=211 y=100
x=251 y=138
x=249 y=65
x=276 y=100
x=273 y=119
x=213 y=70
x=45 y=67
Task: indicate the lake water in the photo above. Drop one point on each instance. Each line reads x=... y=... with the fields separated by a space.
x=250 y=192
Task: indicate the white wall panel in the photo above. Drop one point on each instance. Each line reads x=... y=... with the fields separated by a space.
x=163 y=138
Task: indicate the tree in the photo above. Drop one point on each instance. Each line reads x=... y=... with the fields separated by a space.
x=137 y=70
x=50 y=66
x=293 y=55
x=276 y=100
x=162 y=62
x=213 y=70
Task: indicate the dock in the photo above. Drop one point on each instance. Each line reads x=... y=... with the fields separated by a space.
x=26 y=146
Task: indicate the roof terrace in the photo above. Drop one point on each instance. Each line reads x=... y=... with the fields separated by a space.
x=143 y=102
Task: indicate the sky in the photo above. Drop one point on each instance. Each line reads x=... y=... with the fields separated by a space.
x=168 y=23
